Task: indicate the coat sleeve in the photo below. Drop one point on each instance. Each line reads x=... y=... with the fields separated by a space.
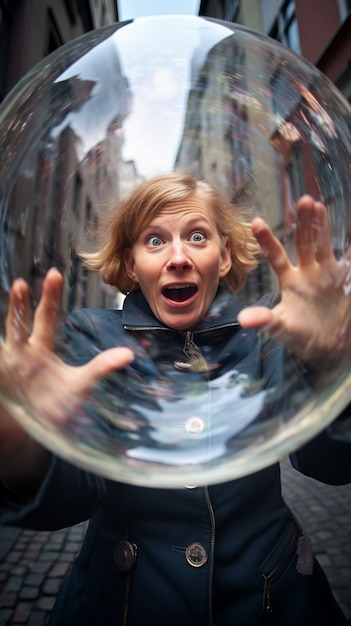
x=68 y=494
x=327 y=457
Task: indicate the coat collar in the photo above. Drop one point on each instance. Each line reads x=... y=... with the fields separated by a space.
x=137 y=314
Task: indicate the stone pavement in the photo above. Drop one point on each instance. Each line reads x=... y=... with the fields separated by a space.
x=324 y=512
x=32 y=570
x=33 y=565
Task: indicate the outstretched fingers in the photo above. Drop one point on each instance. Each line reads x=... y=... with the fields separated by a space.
x=18 y=320
x=271 y=248
x=105 y=362
x=312 y=235
x=255 y=317
x=18 y=314
x=48 y=310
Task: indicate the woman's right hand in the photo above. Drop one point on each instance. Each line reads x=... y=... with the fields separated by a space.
x=34 y=379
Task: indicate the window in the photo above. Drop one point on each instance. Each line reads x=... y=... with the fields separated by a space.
x=77 y=194
x=54 y=39
x=72 y=10
x=295 y=172
x=285 y=28
x=5 y=34
x=345 y=9
x=231 y=8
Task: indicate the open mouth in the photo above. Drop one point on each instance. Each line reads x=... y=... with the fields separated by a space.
x=179 y=293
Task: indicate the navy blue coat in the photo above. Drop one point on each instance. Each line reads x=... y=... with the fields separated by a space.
x=227 y=554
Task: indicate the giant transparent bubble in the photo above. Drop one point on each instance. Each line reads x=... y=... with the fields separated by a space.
x=118 y=106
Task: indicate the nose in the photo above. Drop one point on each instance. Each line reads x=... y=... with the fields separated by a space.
x=178 y=258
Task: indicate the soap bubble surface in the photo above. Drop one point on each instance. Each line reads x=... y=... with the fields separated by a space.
x=87 y=125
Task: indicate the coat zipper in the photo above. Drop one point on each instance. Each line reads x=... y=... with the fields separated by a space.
x=212 y=547
x=128 y=584
x=194 y=355
x=195 y=359
x=196 y=332
x=266 y=599
x=126 y=598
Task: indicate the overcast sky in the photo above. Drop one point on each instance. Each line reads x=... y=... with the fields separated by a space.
x=128 y=9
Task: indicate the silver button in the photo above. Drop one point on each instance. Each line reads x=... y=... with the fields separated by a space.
x=194 y=426
x=196 y=555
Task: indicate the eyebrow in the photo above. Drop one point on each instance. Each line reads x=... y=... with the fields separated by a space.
x=158 y=222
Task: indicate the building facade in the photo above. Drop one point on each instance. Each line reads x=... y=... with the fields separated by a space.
x=303 y=148
x=50 y=203
x=319 y=30
x=32 y=29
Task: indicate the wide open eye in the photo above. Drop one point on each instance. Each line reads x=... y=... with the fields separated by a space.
x=154 y=241
x=197 y=237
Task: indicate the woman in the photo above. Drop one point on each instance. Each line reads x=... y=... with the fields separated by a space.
x=227 y=554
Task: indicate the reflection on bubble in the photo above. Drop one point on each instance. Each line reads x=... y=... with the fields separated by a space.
x=84 y=128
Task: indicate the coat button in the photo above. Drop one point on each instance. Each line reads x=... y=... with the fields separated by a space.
x=124 y=555
x=196 y=555
x=194 y=426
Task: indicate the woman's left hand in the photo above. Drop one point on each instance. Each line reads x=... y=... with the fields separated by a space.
x=313 y=317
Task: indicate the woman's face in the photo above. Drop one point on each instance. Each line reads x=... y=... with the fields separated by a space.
x=177 y=261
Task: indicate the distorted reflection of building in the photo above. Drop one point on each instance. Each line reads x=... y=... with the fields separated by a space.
x=65 y=189
x=58 y=183
x=257 y=136
x=218 y=140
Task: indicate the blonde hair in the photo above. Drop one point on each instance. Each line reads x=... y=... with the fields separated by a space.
x=124 y=225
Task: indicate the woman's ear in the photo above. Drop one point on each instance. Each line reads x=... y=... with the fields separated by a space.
x=226 y=258
x=129 y=264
